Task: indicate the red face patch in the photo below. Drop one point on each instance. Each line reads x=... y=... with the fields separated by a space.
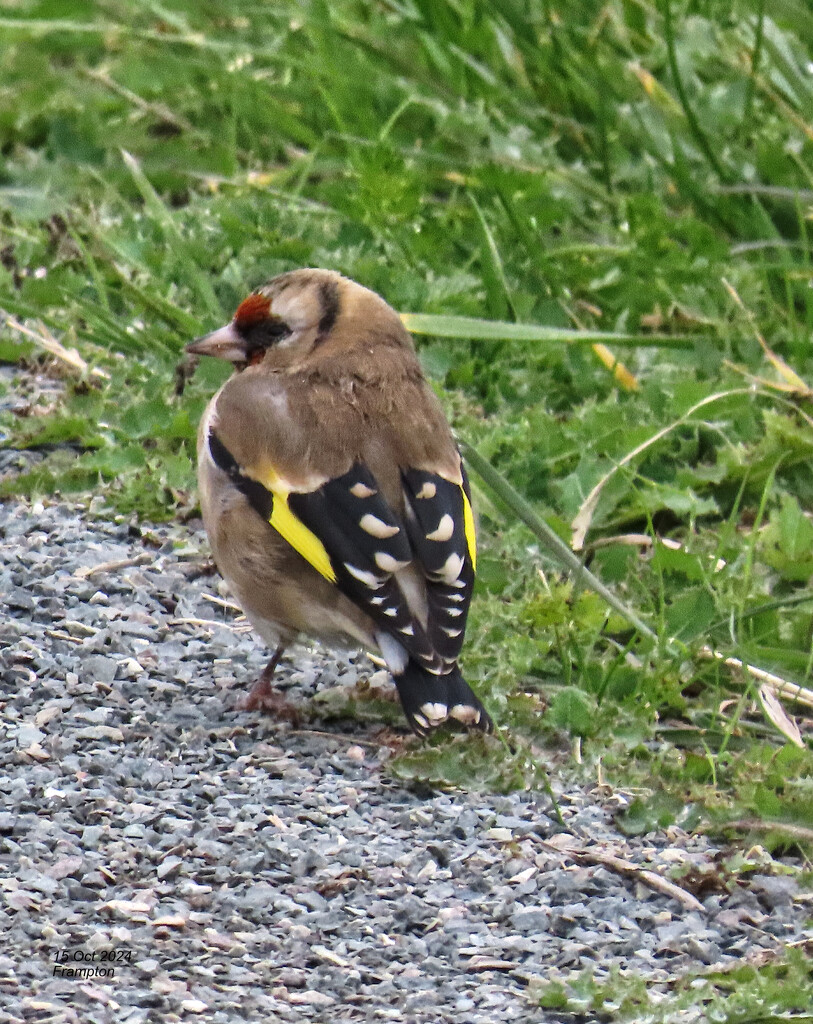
x=252 y=310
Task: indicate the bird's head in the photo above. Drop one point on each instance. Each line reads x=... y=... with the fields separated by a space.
x=292 y=314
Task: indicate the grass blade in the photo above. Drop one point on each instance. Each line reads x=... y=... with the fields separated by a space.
x=442 y=326
x=551 y=540
x=158 y=209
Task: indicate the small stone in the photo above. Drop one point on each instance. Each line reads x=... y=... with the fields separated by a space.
x=65 y=866
x=194 y=1005
x=531 y=921
x=91 y=836
x=100 y=732
x=19 y=598
x=99 y=669
x=774 y=890
x=28 y=734
x=130 y=909
x=169 y=868
x=311 y=999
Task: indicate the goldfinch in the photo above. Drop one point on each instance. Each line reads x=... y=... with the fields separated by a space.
x=333 y=493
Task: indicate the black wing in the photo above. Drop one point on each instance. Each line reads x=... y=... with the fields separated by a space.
x=441 y=532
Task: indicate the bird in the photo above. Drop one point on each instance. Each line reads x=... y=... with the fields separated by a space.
x=333 y=492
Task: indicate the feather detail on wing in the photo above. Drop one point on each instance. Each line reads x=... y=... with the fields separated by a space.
x=273 y=506
x=348 y=532
x=440 y=522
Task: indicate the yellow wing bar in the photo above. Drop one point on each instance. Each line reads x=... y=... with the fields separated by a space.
x=301 y=539
x=468 y=527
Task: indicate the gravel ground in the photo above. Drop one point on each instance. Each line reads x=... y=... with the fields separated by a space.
x=236 y=868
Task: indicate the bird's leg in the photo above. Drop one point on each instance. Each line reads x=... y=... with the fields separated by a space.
x=264 y=697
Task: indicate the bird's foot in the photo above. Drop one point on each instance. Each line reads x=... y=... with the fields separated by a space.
x=266 y=698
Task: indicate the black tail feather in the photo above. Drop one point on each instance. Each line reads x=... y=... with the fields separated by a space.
x=429 y=700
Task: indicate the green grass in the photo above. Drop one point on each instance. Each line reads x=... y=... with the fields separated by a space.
x=771 y=992
x=528 y=181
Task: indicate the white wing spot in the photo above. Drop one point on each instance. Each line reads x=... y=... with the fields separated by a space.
x=369 y=579
x=361 y=490
x=434 y=713
x=465 y=713
x=377 y=600
x=377 y=527
x=455 y=597
x=450 y=573
x=387 y=562
x=407 y=631
x=429 y=490
x=444 y=531
x=451 y=632
x=454 y=612
x=392 y=612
